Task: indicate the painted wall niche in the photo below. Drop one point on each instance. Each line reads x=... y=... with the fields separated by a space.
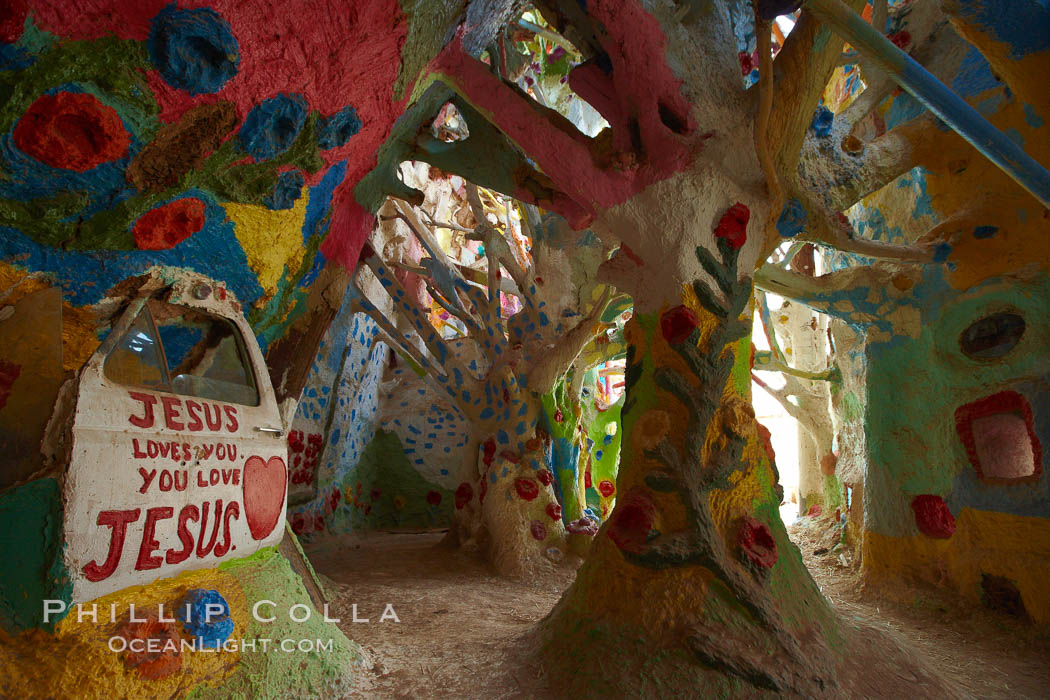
x=999 y=435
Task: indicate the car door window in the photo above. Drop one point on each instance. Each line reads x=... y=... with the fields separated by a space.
x=136 y=359
x=205 y=356
x=184 y=351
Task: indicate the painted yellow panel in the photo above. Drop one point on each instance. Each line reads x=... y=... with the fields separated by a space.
x=271 y=239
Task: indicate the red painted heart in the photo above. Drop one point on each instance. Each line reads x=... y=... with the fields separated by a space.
x=265 y=484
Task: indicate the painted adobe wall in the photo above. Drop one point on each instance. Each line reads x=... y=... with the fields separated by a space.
x=957 y=491
x=139 y=134
x=335 y=421
x=221 y=137
x=951 y=449
x=434 y=438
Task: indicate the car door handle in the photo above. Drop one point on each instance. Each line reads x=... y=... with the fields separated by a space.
x=274 y=431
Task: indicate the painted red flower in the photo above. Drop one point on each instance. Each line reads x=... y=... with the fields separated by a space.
x=490 y=452
x=538 y=530
x=159 y=656
x=12 y=20
x=757 y=543
x=606 y=488
x=678 y=324
x=733 y=225
x=374 y=494
x=554 y=511
x=545 y=477
x=510 y=456
x=632 y=520
x=587 y=482
x=318 y=522
x=433 y=498
x=463 y=495
x=295 y=441
x=583 y=526
x=526 y=488
x=169 y=224
x=932 y=516
x=298 y=523
x=72 y=131
x=900 y=39
x=746 y=63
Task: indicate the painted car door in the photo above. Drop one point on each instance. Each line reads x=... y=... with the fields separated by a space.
x=177 y=459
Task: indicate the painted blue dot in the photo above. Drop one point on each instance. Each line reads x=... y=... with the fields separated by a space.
x=193 y=50
x=273 y=125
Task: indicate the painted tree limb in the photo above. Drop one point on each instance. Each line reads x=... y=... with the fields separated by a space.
x=417 y=319
x=1010 y=157
x=762 y=138
x=557 y=360
x=1012 y=58
x=801 y=416
x=834 y=230
x=802 y=69
x=497 y=251
x=841 y=168
x=854 y=294
x=767 y=325
x=766 y=363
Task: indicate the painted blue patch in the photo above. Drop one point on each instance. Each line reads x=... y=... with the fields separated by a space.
x=1031 y=117
x=1023 y=24
x=205 y=615
x=941 y=252
x=793 y=219
x=286 y=191
x=904 y=108
x=86 y=277
x=194 y=50
x=974 y=75
x=336 y=130
x=985 y=231
x=272 y=126
x=823 y=120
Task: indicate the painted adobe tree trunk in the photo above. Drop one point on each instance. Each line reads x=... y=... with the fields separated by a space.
x=506 y=504
x=696 y=534
x=806 y=394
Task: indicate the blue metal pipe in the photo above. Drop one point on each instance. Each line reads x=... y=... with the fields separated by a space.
x=932 y=93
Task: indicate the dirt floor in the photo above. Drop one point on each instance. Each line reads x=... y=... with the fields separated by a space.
x=987 y=654
x=464 y=632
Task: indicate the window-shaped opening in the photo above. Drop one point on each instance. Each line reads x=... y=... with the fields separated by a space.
x=999 y=436
x=992 y=336
x=137 y=360
x=184 y=351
